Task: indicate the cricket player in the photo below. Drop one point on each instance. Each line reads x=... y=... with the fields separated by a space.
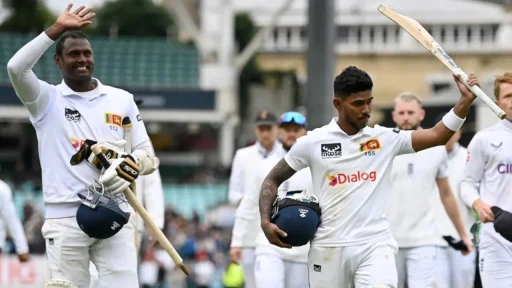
x=79 y=112
x=453 y=269
x=274 y=266
x=487 y=182
x=9 y=221
x=242 y=248
x=351 y=170
x=418 y=180
x=151 y=195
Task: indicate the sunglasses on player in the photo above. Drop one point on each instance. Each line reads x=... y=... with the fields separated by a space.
x=293 y=118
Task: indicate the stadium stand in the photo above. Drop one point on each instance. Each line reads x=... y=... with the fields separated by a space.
x=124 y=62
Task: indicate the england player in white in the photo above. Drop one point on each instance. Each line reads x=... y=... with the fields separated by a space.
x=10 y=224
x=455 y=270
x=274 y=266
x=242 y=247
x=350 y=166
x=65 y=116
x=418 y=180
x=487 y=182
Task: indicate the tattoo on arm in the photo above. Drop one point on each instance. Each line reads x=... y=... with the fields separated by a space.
x=268 y=193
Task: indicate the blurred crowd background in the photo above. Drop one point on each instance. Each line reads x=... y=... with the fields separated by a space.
x=204 y=69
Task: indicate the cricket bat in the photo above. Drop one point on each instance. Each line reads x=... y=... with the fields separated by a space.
x=137 y=206
x=127 y=128
x=421 y=35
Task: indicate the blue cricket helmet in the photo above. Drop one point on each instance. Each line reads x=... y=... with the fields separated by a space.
x=297 y=215
x=99 y=216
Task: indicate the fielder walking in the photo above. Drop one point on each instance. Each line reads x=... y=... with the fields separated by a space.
x=77 y=113
x=418 y=180
x=274 y=266
x=350 y=166
x=487 y=183
x=242 y=246
x=455 y=270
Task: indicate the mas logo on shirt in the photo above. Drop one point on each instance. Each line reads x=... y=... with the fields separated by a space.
x=370 y=145
x=331 y=150
x=113 y=119
x=72 y=115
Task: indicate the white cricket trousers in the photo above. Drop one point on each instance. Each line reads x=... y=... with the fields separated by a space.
x=70 y=251
x=356 y=266
x=272 y=271
x=495 y=264
x=247 y=263
x=416 y=266
x=454 y=270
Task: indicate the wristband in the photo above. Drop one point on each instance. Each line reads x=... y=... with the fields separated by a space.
x=452 y=121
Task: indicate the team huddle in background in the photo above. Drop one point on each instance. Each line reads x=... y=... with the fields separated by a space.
x=409 y=225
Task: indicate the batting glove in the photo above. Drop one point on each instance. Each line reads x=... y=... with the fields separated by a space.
x=121 y=173
x=112 y=150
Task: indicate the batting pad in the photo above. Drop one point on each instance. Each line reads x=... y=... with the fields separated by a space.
x=56 y=283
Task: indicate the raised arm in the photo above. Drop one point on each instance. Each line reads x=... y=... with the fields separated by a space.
x=33 y=93
x=444 y=130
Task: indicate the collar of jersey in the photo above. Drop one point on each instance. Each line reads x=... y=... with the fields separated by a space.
x=66 y=91
x=264 y=151
x=333 y=126
x=506 y=123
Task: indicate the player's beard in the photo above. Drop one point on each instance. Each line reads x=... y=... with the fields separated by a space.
x=287 y=147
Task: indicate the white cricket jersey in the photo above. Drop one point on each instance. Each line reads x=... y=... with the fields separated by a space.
x=488 y=173
x=9 y=221
x=300 y=181
x=63 y=119
x=247 y=215
x=244 y=165
x=352 y=179
x=411 y=205
x=456 y=164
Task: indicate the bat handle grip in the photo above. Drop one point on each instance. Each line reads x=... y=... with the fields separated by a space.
x=482 y=96
x=103 y=159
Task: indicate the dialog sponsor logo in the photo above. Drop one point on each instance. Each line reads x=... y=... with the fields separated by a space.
x=359 y=176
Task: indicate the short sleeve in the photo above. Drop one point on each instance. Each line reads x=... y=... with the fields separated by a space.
x=401 y=140
x=139 y=133
x=443 y=167
x=298 y=157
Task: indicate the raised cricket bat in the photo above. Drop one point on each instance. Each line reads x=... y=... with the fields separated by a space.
x=421 y=35
x=137 y=206
x=127 y=128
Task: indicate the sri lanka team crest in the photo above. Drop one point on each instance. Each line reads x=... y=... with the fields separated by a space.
x=113 y=119
x=370 y=145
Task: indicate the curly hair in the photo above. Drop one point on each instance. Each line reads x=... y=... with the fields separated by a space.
x=352 y=80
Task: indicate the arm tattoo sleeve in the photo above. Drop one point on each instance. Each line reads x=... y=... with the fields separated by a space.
x=268 y=193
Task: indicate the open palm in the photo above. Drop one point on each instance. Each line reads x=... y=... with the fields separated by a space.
x=72 y=20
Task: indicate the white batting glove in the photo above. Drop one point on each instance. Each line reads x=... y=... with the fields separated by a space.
x=121 y=173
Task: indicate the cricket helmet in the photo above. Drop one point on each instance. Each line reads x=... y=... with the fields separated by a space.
x=99 y=216
x=298 y=215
